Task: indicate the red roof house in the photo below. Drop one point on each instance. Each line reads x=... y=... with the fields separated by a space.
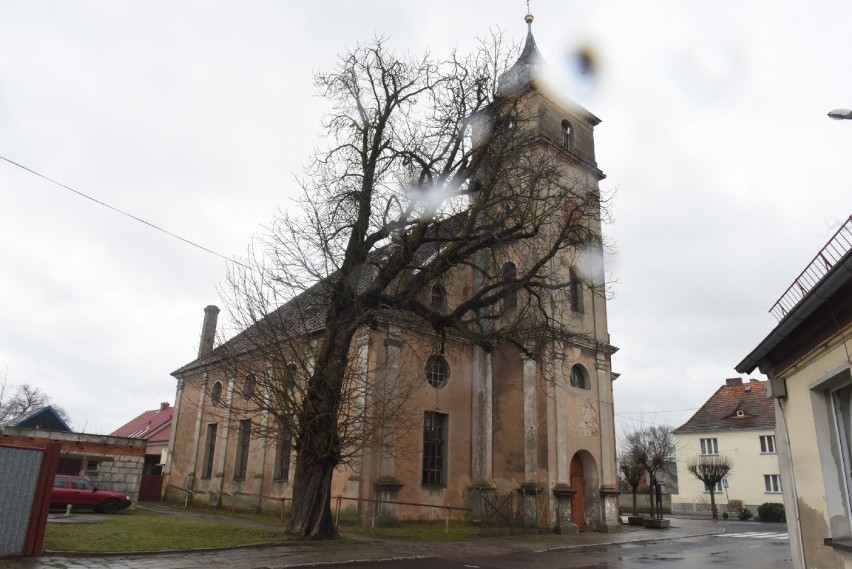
x=154 y=426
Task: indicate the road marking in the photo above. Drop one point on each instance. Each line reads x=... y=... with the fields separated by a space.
x=757 y=535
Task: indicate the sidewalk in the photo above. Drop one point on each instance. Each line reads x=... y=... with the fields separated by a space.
x=356 y=547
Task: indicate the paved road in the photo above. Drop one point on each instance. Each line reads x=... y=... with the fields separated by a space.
x=751 y=545
x=689 y=544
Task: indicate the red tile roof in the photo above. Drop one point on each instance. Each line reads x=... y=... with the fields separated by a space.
x=151 y=425
x=720 y=412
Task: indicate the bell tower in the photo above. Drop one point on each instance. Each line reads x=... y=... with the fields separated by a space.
x=568 y=441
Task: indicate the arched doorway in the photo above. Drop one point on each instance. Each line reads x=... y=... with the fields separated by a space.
x=578 y=500
x=586 y=505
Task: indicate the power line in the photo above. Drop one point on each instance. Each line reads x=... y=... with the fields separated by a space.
x=652 y=412
x=122 y=212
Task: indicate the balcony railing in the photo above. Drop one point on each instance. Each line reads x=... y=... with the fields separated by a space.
x=836 y=248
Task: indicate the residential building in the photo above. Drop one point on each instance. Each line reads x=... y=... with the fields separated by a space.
x=494 y=422
x=807 y=360
x=45 y=418
x=154 y=427
x=737 y=422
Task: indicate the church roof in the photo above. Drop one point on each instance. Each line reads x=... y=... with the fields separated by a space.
x=524 y=72
x=734 y=406
x=528 y=73
x=306 y=312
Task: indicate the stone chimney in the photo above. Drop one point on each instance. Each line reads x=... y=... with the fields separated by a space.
x=208 y=330
x=164 y=405
x=734 y=381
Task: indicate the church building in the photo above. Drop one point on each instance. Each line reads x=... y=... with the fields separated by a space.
x=479 y=424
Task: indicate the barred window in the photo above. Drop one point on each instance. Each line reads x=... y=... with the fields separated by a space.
x=243 y=439
x=434 y=448
x=437 y=371
x=283 y=448
x=209 y=451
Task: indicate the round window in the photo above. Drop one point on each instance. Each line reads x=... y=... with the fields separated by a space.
x=437 y=371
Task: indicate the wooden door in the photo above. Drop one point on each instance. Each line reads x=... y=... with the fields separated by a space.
x=578 y=501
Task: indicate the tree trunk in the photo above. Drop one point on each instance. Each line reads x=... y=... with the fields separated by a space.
x=634 y=500
x=319 y=442
x=713 y=503
x=651 y=495
x=310 y=515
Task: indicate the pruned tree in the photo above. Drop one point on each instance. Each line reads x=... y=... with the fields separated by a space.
x=653 y=447
x=434 y=175
x=711 y=470
x=632 y=472
x=19 y=400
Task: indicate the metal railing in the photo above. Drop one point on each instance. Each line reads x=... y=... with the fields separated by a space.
x=376 y=513
x=837 y=247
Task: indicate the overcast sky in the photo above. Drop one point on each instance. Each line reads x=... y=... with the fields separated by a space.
x=195 y=116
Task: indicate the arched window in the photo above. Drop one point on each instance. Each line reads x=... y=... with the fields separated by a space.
x=567 y=135
x=216 y=394
x=439 y=297
x=249 y=385
x=575 y=289
x=580 y=377
x=437 y=371
x=510 y=297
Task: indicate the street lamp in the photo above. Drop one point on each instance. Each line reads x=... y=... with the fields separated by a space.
x=840 y=114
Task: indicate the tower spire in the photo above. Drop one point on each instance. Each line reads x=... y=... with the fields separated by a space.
x=529 y=18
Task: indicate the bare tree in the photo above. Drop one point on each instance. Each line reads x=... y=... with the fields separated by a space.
x=711 y=470
x=435 y=175
x=633 y=472
x=19 y=400
x=652 y=447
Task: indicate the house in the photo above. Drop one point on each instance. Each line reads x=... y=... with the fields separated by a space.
x=737 y=422
x=807 y=360
x=45 y=418
x=479 y=423
x=155 y=427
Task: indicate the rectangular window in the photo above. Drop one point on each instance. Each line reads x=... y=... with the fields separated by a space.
x=434 y=448
x=772 y=483
x=709 y=446
x=209 y=451
x=243 y=438
x=91 y=466
x=281 y=467
x=841 y=402
x=767 y=444
x=716 y=490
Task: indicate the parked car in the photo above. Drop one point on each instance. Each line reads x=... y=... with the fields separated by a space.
x=81 y=493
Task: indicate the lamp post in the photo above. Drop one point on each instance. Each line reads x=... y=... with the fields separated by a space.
x=840 y=114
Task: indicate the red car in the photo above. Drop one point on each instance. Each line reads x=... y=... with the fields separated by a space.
x=81 y=493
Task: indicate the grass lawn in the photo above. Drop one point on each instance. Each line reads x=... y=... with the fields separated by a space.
x=141 y=530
